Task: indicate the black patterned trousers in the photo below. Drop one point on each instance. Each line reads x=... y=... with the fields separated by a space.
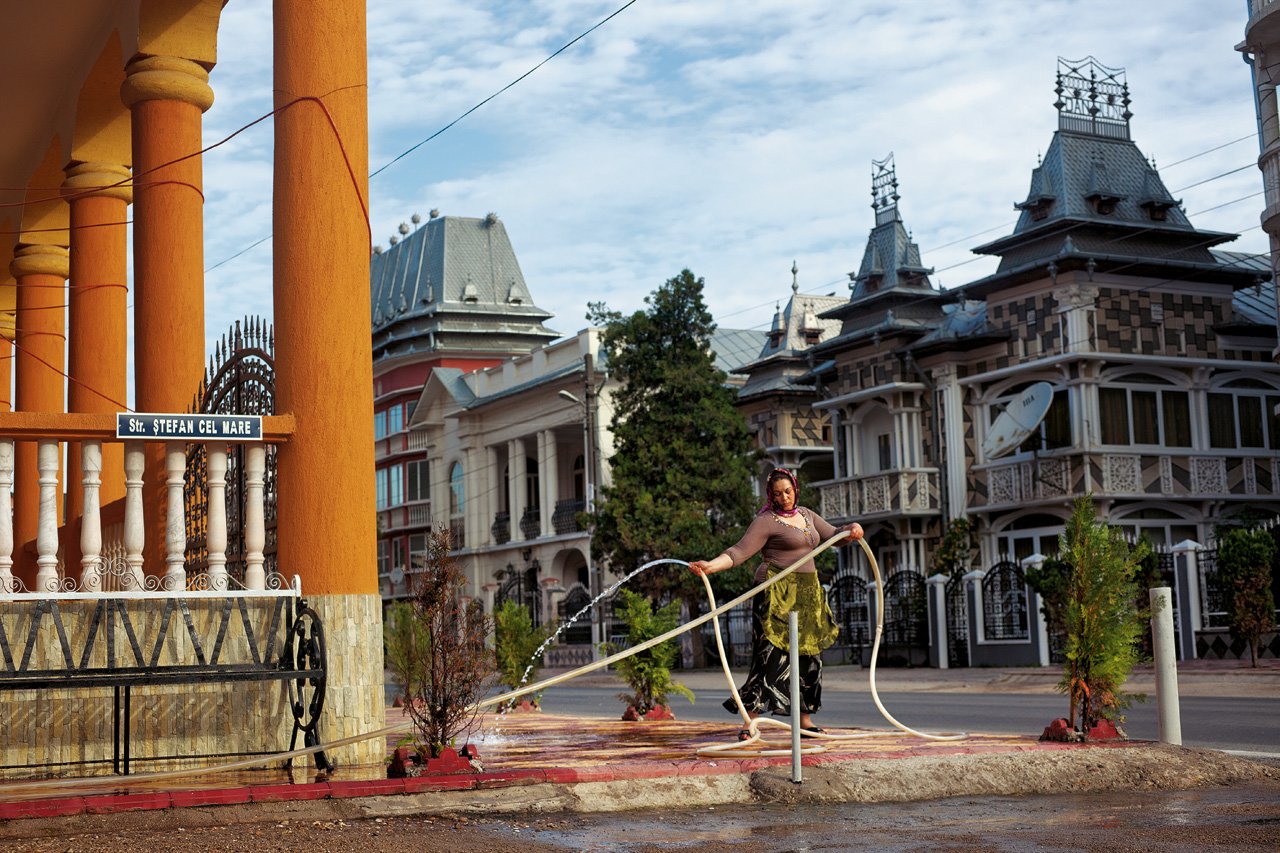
x=767 y=689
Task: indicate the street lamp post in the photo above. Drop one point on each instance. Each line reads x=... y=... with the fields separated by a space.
x=589 y=479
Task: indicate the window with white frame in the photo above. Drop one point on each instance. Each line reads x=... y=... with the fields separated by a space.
x=457 y=492
x=1140 y=409
x=417 y=480
x=1241 y=415
x=395 y=476
x=379 y=425
x=382 y=494
x=417 y=552
x=384 y=556
x=395 y=419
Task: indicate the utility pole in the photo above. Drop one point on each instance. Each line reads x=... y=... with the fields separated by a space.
x=591 y=475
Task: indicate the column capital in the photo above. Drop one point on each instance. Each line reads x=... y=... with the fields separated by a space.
x=86 y=180
x=166 y=78
x=40 y=259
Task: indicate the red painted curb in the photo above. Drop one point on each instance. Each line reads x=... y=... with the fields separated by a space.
x=429 y=784
x=60 y=807
x=365 y=788
x=112 y=803
x=287 y=793
x=210 y=797
x=508 y=778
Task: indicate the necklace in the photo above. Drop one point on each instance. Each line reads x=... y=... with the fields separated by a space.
x=804 y=531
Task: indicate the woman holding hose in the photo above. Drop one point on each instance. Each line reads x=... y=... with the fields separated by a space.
x=782 y=533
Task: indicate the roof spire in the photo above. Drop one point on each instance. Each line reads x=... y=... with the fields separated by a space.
x=884 y=190
x=1092 y=98
x=795 y=282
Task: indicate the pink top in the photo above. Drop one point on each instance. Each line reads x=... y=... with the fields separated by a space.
x=779 y=543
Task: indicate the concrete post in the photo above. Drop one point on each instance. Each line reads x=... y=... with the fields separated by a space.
x=1166 y=666
x=939 y=650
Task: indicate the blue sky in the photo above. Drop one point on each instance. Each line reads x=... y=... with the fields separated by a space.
x=732 y=136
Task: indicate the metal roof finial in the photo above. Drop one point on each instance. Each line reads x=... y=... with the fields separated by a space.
x=403 y=228
x=795 y=282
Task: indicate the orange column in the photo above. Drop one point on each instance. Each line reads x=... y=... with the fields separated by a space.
x=97 y=296
x=40 y=341
x=324 y=366
x=166 y=97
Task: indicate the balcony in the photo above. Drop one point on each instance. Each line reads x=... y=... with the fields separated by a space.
x=501 y=528
x=1063 y=475
x=531 y=522
x=565 y=518
x=906 y=491
x=404 y=516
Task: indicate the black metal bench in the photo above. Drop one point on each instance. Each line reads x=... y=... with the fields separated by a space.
x=111 y=652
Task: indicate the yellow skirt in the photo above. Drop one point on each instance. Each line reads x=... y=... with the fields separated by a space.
x=803 y=593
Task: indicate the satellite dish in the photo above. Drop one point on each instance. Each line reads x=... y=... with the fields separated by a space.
x=397 y=574
x=1018 y=420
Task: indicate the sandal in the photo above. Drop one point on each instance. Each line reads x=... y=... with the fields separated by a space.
x=744 y=734
x=815 y=729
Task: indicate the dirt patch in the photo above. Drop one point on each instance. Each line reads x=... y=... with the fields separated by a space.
x=1084 y=770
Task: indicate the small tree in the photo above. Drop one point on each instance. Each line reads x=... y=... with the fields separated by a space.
x=1244 y=571
x=515 y=640
x=956 y=551
x=448 y=667
x=404 y=646
x=1102 y=617
x=648 y=673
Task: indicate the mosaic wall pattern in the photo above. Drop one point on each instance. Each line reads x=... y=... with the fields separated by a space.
x=1126 y=322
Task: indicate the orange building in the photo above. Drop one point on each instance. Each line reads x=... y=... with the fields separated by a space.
x=105 y=128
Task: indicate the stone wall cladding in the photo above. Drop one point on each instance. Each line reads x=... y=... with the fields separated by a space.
x=1124 y=322
x=66 y=732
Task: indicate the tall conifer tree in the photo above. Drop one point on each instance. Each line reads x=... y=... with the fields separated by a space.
x=683 y=461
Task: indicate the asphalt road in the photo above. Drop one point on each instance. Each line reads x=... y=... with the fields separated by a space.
x=1248 y=724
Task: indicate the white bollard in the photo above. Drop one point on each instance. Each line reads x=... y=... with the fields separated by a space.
x=793 y=627
x=1166 y=666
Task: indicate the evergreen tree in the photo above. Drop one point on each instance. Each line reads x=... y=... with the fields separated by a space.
x=1245 y=557
x=684 y=460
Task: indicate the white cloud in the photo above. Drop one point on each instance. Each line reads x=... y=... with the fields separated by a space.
x=733 y=137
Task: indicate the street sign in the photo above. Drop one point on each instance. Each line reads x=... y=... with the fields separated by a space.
x=189 y=427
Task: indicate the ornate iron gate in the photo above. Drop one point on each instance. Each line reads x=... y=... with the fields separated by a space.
x=848 y=600
x=522 y=588
x=906 y=615
x=240 y=381
x=957 y=622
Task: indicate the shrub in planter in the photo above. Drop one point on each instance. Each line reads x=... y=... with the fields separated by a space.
x=515 y=639
x=1102 y=617
x=647 y=673
x=448 y=669
x=1244 y=571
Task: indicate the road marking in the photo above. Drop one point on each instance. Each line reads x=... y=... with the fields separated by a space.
x=1249 y=753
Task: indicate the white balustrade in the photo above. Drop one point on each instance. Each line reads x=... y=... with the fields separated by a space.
x=47 y=459
x=6 y=515
x=91 y=522
x=216 y=531
x=122 y=543
x=175 y=528
x=255 y=531
x=135 y=464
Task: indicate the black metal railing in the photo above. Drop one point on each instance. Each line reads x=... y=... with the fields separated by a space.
x=501 y=528
x=565 y=518
x=531 y=522
x=1004 y=603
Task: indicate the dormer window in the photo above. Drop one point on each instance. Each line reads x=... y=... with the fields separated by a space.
x=1038 y=206
x=1103 y=204
x=1157 y=211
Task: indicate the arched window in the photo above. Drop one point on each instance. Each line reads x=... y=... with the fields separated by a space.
x=579 y=479
x=457 y=493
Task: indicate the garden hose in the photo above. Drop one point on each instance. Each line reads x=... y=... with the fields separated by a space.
x=56 y=787
x=755 y=744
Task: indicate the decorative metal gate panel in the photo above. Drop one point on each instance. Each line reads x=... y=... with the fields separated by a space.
x=522 y=588
x=1004 y=603
x=240 y=381
x=957 y=622
x=906 y=617
x=848 y=600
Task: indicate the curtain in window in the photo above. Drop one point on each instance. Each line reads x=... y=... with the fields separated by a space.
x=1222 y=420
x=1251 y=429
x=1177 y=418
x=1113 y=405
x=1146 y=418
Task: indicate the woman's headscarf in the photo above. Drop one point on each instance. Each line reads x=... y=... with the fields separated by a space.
x=775 y=475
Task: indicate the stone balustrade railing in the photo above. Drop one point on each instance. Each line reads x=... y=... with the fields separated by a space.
x=92 y=430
